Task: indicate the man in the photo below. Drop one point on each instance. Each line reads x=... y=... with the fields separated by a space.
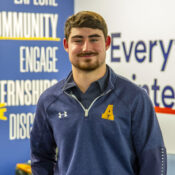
x=101 y=123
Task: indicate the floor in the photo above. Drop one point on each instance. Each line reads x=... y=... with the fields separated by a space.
x=171 y=164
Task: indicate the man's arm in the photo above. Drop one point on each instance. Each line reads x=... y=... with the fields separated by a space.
x=153 y=162
x=42 y=144
x=147 y=138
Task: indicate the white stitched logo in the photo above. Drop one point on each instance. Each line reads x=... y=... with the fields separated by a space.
x=62 y=115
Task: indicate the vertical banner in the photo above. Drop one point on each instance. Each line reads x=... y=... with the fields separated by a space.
x=32 y=58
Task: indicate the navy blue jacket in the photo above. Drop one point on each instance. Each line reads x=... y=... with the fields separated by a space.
x=117 y=135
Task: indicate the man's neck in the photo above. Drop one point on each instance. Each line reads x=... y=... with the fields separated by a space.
x=83 y=79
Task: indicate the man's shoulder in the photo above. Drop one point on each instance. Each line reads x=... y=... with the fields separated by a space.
x=127 y=90
x=122 y=83
x=130 y=94
x=127 y=84
x=51 y=93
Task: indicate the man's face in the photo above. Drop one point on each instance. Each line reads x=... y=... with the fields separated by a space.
x=86 y=48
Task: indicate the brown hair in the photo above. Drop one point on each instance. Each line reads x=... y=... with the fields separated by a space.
x=85 y=19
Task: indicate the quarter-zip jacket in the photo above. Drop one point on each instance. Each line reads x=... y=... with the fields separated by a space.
x=117 y=135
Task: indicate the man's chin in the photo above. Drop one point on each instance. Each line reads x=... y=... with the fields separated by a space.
x=87 y=68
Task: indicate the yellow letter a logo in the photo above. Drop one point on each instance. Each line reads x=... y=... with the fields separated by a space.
x=108 y=114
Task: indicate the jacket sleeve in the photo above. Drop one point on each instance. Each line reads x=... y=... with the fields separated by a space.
x=43 y=147
x=147 y=138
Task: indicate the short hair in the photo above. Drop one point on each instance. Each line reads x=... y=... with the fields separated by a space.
x=87 y=19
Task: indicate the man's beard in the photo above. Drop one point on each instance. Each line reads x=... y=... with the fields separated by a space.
x=86 y=65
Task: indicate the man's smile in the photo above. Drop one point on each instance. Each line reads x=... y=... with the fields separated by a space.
x=87 y=54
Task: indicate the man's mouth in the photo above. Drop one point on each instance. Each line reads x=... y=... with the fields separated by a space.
x=87 y=54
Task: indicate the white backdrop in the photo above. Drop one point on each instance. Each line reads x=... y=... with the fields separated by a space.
x=144 y=32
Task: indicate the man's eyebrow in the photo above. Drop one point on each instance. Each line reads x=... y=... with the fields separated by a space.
x=77 y=36
x=90 y=36
x=94 y=35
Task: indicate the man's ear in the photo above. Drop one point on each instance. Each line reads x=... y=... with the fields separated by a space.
x=65 y=43
x=108 y=42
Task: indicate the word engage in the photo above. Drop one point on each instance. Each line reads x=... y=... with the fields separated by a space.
x=38 y=59
x=140 y=50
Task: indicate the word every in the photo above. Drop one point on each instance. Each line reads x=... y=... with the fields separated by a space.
x=140 y=50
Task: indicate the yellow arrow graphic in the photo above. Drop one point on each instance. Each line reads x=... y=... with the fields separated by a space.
x=2 y=111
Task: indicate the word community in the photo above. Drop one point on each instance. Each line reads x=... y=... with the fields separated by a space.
x=28 y=25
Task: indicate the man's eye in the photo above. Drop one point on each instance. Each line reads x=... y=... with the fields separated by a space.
x=94 y=40
x=78 y=41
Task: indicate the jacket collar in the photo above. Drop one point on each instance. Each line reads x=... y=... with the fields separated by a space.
x=69 y=82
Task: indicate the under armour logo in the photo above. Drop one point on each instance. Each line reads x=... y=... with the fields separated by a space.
x=62 y=115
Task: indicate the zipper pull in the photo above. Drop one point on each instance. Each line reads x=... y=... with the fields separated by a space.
x=86 y=112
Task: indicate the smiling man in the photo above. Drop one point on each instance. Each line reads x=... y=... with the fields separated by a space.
x=101 y=123
x=87 y=53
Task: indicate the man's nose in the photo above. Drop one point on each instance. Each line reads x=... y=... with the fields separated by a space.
x=86 y=46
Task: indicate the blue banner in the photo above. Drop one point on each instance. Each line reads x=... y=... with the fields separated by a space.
x=32 y=58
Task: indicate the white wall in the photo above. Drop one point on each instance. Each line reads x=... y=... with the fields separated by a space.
x=149 y=21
